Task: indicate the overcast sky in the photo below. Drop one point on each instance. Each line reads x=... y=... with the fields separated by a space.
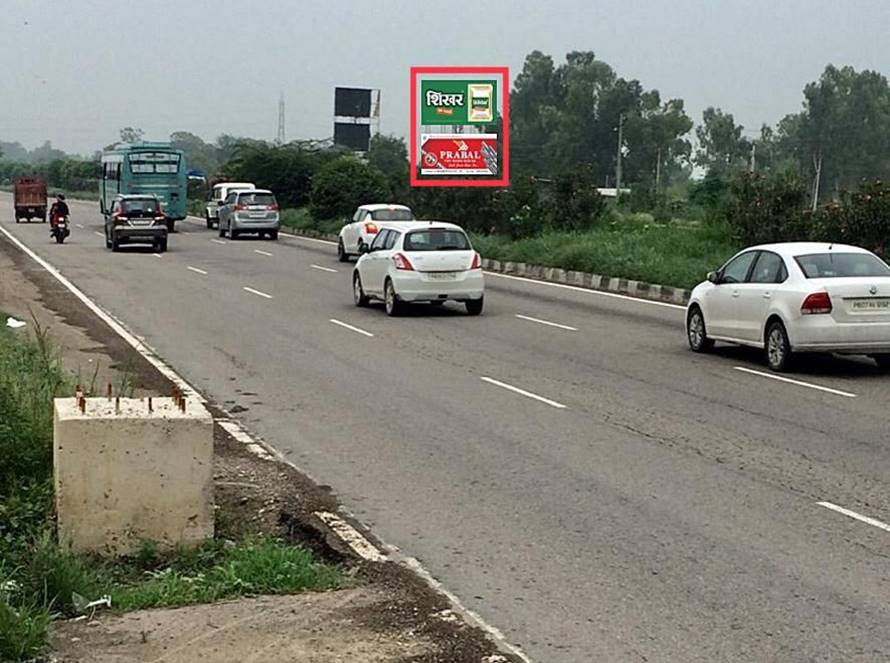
x=76 y=71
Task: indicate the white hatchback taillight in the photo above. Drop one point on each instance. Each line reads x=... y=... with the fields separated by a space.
x=402 y=263
x=818 y=302
x=477 y=261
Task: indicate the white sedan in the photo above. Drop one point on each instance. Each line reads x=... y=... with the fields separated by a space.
x=795 y=297
x=419 y=261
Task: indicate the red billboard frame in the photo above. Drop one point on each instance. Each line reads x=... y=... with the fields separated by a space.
x=504 y=74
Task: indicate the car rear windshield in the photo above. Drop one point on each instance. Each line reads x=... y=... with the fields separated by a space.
x=148 y=163
x=841 y=265
x=141 y=207
x=392 y=215
x=256 y=199
x=436 y=239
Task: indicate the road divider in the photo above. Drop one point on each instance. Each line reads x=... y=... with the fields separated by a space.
x=259 y=293
x=798 y=383
x=545 y=322
x=523 y=392
x=357 y=330
x=874 y=522
x=324 y=269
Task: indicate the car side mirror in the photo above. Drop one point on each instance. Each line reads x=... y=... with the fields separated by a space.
x=364 y=248
x=714 y=277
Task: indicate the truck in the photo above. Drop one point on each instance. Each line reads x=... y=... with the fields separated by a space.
x=29 y=199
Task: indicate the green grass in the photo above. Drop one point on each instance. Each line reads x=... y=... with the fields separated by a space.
x=41 y=579
x=300 y=219
x=677 y=254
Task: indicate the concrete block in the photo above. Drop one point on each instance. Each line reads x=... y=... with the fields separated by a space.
x=125 y=474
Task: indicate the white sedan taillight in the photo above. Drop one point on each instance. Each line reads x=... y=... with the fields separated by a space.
x=818 y=302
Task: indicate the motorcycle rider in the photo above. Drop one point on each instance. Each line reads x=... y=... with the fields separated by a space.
x=57 y=211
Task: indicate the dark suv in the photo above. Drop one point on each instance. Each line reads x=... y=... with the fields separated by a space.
x=136 y=219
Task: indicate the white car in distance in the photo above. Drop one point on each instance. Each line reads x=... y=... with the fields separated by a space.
x=419 y=261
x=219 y=193
x=795 y=297
x=366 y=223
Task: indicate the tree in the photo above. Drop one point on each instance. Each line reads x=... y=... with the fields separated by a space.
x=131 y=135
x=344 y=184
x=721 y=144
x=198 y=154
x=389 y=155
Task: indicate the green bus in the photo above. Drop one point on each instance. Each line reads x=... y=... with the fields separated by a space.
x=147 y=168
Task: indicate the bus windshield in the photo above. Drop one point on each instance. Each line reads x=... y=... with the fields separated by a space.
x=150 y=163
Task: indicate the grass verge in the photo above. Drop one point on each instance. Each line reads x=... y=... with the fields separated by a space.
x=41 y=579
x=676 y=254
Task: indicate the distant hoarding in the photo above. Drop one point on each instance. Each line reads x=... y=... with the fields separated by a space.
x=352 y=102
x=354 y=136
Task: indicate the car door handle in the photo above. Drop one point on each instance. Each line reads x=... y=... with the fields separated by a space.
x=767 y=295
x=735 y=293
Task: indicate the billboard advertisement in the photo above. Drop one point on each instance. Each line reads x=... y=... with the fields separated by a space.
x=459 y=154
x=460 y=126
x=352 y=102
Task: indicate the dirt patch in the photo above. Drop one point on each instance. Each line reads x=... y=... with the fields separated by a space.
x=310 y=628
x=386 y=614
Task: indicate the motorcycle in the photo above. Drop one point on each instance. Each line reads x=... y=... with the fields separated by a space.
x=60 y=228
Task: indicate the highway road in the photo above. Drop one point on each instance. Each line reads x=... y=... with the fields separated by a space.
x=562 y=463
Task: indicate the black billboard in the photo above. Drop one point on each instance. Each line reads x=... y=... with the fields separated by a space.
x=352 y=102
x=354 y=136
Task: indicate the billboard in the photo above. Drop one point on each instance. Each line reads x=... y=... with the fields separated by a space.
x=354 y=136
x=459 y=154
x=352 y=102
x=450 y=109
x=458 y=102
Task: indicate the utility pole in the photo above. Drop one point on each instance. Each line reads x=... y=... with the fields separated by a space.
x=619 y=157
x=658 y=172
x=753 y=166
x=817 y=164
x=280 y=139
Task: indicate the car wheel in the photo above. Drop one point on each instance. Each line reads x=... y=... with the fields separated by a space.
x=342 y=256
x=209 y=222
x=115 y=245
x=170 y=225
x=358 y=292
x=391 y=299
x=162 y=246
x=474 y=306
x=778 y=348
x=883 y=362
x=697 y=333
x=273 y=235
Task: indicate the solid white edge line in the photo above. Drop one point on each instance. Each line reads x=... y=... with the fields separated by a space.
x=195 y=269
x=151 y=356
x=257 y=292
x=589 y=291
x=545 y=322
x=809 y=385
x=262 y=253
x=323 y=269
x=522 y=392
x=858 y=516
x=415 y=566
x=350 y=327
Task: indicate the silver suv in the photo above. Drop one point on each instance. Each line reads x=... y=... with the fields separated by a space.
x=249 y=211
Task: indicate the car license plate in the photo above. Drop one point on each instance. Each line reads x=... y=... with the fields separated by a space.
x=443 y=276
x=877 y=304
x=257 y=215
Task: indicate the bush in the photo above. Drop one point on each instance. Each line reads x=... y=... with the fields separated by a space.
x=344 y=184
x=576 y=205
x=768 y=208
x=861 y=218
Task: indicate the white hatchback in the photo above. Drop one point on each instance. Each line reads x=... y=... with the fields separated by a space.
x=419 y=261
x=365 y=224
x=796 y=297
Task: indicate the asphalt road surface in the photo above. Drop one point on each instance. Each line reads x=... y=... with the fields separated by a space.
x=631 y=502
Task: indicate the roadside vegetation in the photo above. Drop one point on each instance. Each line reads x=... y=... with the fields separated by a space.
x=41 y=579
